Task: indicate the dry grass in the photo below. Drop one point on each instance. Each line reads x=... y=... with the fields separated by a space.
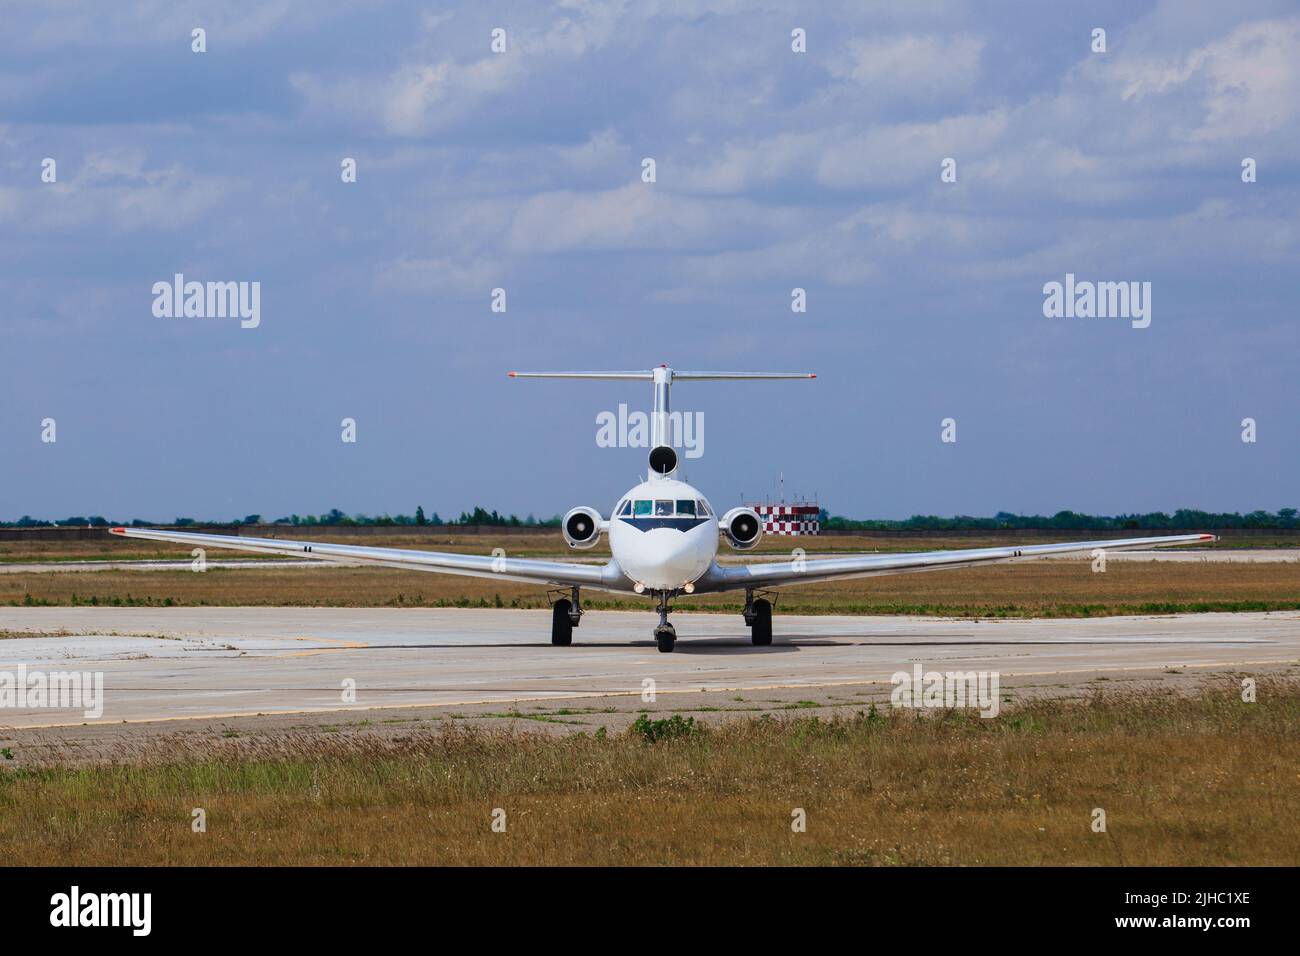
x=1205 y=780
x=1043 y=588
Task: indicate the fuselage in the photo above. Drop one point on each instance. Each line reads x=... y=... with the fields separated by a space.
x=664 y=534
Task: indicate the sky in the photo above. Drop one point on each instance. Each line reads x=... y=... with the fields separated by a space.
x=523 y=170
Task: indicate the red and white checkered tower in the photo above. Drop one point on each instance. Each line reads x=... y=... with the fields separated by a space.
x=788 y=518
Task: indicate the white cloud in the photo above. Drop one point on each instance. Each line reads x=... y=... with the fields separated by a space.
x=413 y=100
x=845 y=156
x=906 y=152
x=1248 y=82
x=912 y=66
x=744 y=165
x=159 y=22
x=412 y=276
x=116 y=188
x=427 y=92
x=601 y=151
x=639 y=216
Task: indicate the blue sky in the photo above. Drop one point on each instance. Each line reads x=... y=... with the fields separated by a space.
x=522 y=170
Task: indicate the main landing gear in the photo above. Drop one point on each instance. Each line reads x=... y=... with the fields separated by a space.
x=567 y=611
x=758 y=618
x=665 y=634
x=565 y=615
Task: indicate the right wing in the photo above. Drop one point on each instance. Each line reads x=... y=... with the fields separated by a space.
x=606 y=577
x=769 y=574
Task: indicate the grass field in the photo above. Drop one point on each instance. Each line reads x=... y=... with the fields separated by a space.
x=1031 y=589
x=1055 y=588
x=1206 y=780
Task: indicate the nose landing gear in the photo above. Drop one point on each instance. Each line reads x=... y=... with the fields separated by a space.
x=665 y=634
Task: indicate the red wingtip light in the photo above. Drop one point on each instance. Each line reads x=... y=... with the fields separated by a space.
x=117 y=531
x=512 y=374
x=813 y=375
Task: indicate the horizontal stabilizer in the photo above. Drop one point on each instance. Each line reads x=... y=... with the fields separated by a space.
x=649 y=374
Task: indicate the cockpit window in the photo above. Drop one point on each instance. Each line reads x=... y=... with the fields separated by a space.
x=664 y=508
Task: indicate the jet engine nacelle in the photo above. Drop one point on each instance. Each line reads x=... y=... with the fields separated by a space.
x=582 y=527
x=742 y=528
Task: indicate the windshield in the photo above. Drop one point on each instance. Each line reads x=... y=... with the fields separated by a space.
x=665 y=508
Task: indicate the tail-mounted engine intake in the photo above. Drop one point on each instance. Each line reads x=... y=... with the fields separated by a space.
x=742 y=528
x=582 y=527
x=663 y=460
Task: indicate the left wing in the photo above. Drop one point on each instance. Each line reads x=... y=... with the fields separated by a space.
x=808 y=571
x=606 y=577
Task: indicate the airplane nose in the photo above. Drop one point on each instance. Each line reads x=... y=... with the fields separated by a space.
x=675 y=560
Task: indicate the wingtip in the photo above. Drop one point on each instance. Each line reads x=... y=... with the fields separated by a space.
x=117 y=531
x=512 y=374
x=812 y=374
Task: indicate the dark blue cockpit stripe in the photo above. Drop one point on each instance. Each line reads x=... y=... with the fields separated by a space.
x=682 y=523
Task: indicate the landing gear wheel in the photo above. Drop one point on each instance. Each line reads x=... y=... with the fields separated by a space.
x=666 y=638
x=761 y=629
x=561 y=623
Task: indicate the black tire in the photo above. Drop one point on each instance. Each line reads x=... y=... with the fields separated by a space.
x=561 y=626
x=666 y=640
x=761 y=629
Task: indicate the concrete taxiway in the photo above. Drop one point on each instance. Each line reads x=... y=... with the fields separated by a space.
x=169 y=663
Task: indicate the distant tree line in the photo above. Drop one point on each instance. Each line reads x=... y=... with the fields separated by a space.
x=479 y=516
x=1183 y=518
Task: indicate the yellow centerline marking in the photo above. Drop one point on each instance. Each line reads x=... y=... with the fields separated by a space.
x=343 y=645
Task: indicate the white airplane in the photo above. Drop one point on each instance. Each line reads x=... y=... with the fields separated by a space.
x=663 y=539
